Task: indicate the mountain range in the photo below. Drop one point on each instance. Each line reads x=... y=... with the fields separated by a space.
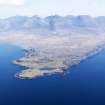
x=53 y=23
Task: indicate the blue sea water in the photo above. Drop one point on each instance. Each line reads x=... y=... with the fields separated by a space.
x=84 y=84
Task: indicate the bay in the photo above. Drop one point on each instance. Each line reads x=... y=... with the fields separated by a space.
x=83 y=84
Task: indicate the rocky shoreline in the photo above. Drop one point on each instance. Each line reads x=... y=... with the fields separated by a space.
x=47 y=55
x=31 y=73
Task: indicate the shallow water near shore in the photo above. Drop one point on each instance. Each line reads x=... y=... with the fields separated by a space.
x=83 y=85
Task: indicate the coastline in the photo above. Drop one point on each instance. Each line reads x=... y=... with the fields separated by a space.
x=34 y=73
x=53 y=54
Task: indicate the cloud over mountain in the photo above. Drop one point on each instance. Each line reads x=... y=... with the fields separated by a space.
x=12 y=2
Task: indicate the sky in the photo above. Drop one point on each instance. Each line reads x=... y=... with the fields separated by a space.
x=51 y=7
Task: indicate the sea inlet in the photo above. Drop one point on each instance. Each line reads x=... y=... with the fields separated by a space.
x=83 y=84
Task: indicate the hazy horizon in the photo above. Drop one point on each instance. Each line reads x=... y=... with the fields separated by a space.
x=51 y=15
x=45 y=8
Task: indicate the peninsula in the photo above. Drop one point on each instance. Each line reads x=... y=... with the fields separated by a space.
x=52 y=54
x=54 y=43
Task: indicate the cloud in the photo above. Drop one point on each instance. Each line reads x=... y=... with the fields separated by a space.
x=12 y=2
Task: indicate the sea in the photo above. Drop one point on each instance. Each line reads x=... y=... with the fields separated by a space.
x=82 y=84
